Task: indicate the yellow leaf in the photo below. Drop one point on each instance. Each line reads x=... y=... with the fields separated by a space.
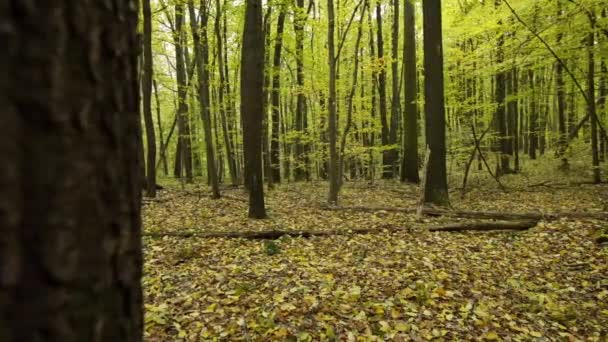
x=211 y=308
x=536 y=333
x=402 y=327
x=395 y=313
x=287 y=307
x=491 y=336
x=442 y=275
x=281 y=332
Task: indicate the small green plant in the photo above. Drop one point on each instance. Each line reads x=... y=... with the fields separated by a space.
x=271 y=248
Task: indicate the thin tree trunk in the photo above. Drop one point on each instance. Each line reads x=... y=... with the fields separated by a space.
x=351 y=95
x=224 y=107
x=183 y=125
x=532 y=117
x=334 y=175
x=202 y=60
x=396 y=98
x=163 y=149
x=386 y=157
x=147 y=101
x=561 y=96
x=275 y=157
x=301 y=171
x=499 y=97
x=591 y=107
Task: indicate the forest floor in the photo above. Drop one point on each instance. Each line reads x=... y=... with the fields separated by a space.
x=549 y=283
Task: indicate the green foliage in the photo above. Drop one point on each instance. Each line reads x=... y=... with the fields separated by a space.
x=271 y=248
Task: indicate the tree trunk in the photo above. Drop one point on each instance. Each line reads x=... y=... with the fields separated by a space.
x=275 y=157
x=252 y=109
x=334 y=176
x=301 y=170
x=396 y=99
x=591 y=107
x=409 y=166
x=183 y=125
x=223 y=93
x=436 y=191
x=386 y=157
x=532 y=117
x=70 y=249
x=266 y=100
x=515 y=109
x=499 y=97
x=351 y=95
x=561 y=96
x=163 y=148
x=147 y=101
x=201 y=52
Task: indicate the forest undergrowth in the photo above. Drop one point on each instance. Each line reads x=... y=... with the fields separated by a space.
x=402 y=283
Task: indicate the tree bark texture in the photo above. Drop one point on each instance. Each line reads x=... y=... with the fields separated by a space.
x=70 y=250
x=409 y=166
x=437 y=187
x=252 y=107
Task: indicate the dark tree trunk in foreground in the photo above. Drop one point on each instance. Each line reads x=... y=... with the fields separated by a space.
x=409 y=166
x=70 y=250
x=252 y=107
x=436 y=190
x=147 y=102
x=201 y=56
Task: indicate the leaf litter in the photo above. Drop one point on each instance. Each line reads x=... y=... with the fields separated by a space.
x=549 y=283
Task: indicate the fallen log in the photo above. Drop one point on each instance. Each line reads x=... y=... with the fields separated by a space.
x=265 y=235
x=488 y=215
x=484 y=226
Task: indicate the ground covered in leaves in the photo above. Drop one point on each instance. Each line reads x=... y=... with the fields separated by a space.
x=549 y=283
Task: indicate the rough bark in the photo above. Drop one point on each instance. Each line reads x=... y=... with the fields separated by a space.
x=436 y=188
x=70 y=250
x=252 y=109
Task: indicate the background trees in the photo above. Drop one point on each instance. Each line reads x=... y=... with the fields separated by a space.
x=499 y=77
